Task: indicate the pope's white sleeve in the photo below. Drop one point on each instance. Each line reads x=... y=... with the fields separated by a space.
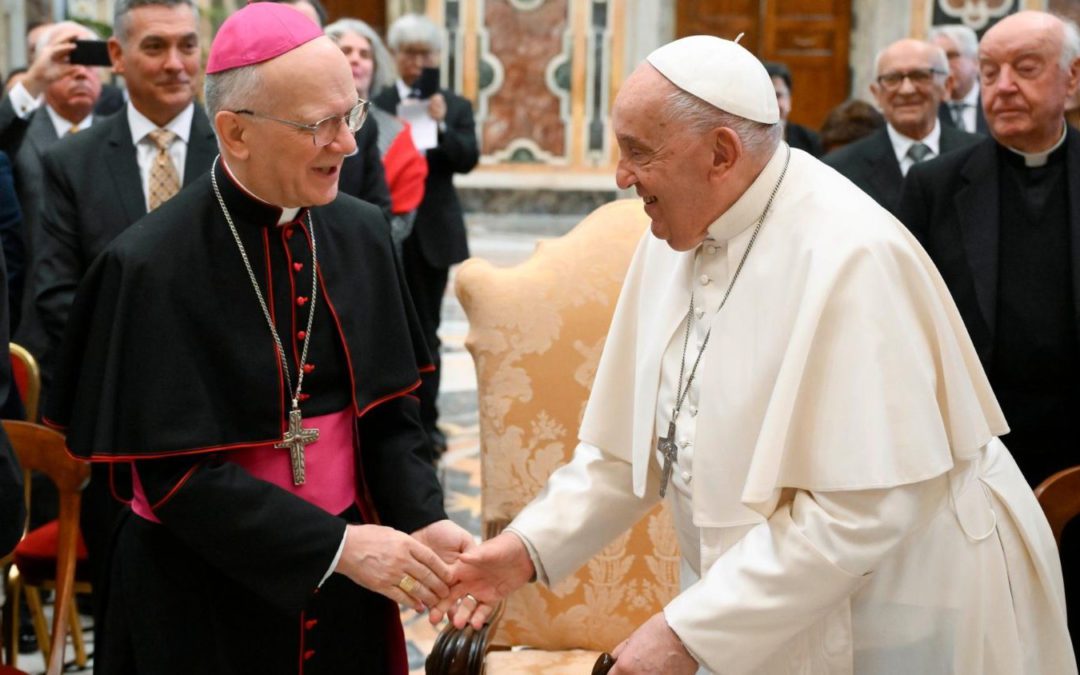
x=585 y=504
x=790 y=571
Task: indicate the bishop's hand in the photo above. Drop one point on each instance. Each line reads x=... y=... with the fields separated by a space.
x=448 y=540
x=394 y=564
x=485 y=575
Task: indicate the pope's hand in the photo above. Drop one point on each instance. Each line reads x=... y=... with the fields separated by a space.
x=394 y=564
x=485 y=575
x=448 y=540
x=653 y=648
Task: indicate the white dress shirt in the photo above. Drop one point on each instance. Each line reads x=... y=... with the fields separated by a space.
x=901 y=144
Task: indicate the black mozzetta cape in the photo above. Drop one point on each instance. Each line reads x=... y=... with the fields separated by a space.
x=167 y=351
x=168 y=362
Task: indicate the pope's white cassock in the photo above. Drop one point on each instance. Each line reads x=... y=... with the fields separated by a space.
x=842 y=501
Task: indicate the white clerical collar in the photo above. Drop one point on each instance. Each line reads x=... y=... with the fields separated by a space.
x=747 y=208
x=1036 y=159
x=141 y=125
x=63 y=126
x=901 y=143
x=404 y=91
x=288 y=214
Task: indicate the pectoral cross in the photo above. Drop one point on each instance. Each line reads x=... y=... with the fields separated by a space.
x=296 y=439
x=666 y=446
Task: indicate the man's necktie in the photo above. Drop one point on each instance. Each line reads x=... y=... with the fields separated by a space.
x=164 y=179
x=957 y=108
x=919 y=152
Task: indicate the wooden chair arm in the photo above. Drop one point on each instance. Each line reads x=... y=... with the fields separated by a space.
x=462 y=651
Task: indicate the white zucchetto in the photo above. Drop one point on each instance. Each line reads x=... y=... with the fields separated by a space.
x=720 y=72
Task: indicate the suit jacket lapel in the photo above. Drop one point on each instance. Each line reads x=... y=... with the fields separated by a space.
x=977 y=206
x=388 y=99
x=124 y=167
x=41 y=133
x=884 y=170
x=202 y=146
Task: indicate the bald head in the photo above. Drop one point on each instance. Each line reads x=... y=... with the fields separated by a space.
x=912 y=80
x=1028 y=71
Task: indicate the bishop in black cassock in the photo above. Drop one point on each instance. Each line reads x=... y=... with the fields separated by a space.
x=225 y=563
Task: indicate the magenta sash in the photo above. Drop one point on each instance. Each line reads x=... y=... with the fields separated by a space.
x=329 y=464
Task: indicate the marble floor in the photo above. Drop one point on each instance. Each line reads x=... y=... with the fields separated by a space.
x=504 y=241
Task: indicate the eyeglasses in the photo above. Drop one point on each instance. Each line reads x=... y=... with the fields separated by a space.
x=920 y=77
x=325 y=130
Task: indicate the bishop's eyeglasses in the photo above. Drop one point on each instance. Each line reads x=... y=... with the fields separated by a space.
x=325 y=130
x=920 y=77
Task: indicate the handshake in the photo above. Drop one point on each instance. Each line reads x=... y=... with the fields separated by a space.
x=439 y=568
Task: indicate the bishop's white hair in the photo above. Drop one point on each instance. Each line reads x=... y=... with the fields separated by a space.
x=700 y=116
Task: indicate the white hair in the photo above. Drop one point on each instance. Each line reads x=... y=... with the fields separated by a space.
x=413 y=29
x=939 y=60
x=234 y=89
x=50 y=32
x=1070 y=44
x=385 y=72
x=965 y=39
x=700 y=116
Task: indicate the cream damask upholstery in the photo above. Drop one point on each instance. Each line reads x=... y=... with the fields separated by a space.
x=536 y=332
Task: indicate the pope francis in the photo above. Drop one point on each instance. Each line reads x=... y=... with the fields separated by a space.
x=787 y=369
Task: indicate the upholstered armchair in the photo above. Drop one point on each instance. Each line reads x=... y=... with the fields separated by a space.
x=536 y=332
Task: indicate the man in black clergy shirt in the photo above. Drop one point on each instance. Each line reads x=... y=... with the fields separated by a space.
x=256 y=313
x=1001 y=219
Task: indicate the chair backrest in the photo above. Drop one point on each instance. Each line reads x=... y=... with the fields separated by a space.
x=535 y=333
x=27 y=376
x=1059 y=496
x=42 y=449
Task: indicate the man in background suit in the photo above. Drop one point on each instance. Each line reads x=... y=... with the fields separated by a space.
x=912 y=79
x=64 y=106
x=102 y=180
x=961 y=108
x=1001 y=219
x=438 y=237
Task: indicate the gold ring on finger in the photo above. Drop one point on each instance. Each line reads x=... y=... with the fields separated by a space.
x=472 y=597
x=408 y=584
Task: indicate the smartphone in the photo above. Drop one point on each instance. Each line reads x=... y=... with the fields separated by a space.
x=427 y=85
x=90 y=53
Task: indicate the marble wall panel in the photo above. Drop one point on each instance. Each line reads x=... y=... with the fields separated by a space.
x=524 y=112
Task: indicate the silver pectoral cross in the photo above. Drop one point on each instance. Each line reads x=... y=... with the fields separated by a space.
x=296 y=439
x=666 y=446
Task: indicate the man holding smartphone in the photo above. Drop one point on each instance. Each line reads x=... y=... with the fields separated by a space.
x=55 y=99
x=443 y=129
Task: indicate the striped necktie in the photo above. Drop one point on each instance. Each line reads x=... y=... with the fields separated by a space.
x=164 y=179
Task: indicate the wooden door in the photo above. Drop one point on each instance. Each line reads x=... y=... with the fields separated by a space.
x=371 y=11
x=812 y=37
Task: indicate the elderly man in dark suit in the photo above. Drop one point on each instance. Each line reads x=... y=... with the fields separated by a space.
x=912 y=79
x=961 y=108
x=1001 y=219
x=438 y=238
x=50 y=104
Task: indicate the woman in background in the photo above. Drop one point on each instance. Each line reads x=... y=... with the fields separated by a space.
x=406 y=168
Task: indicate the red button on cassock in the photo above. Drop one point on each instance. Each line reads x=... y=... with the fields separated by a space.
x=308 y=367
x=298 y=266
x=310 y=623
x=300 y=335
x=308 y=654
x=301 y=301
